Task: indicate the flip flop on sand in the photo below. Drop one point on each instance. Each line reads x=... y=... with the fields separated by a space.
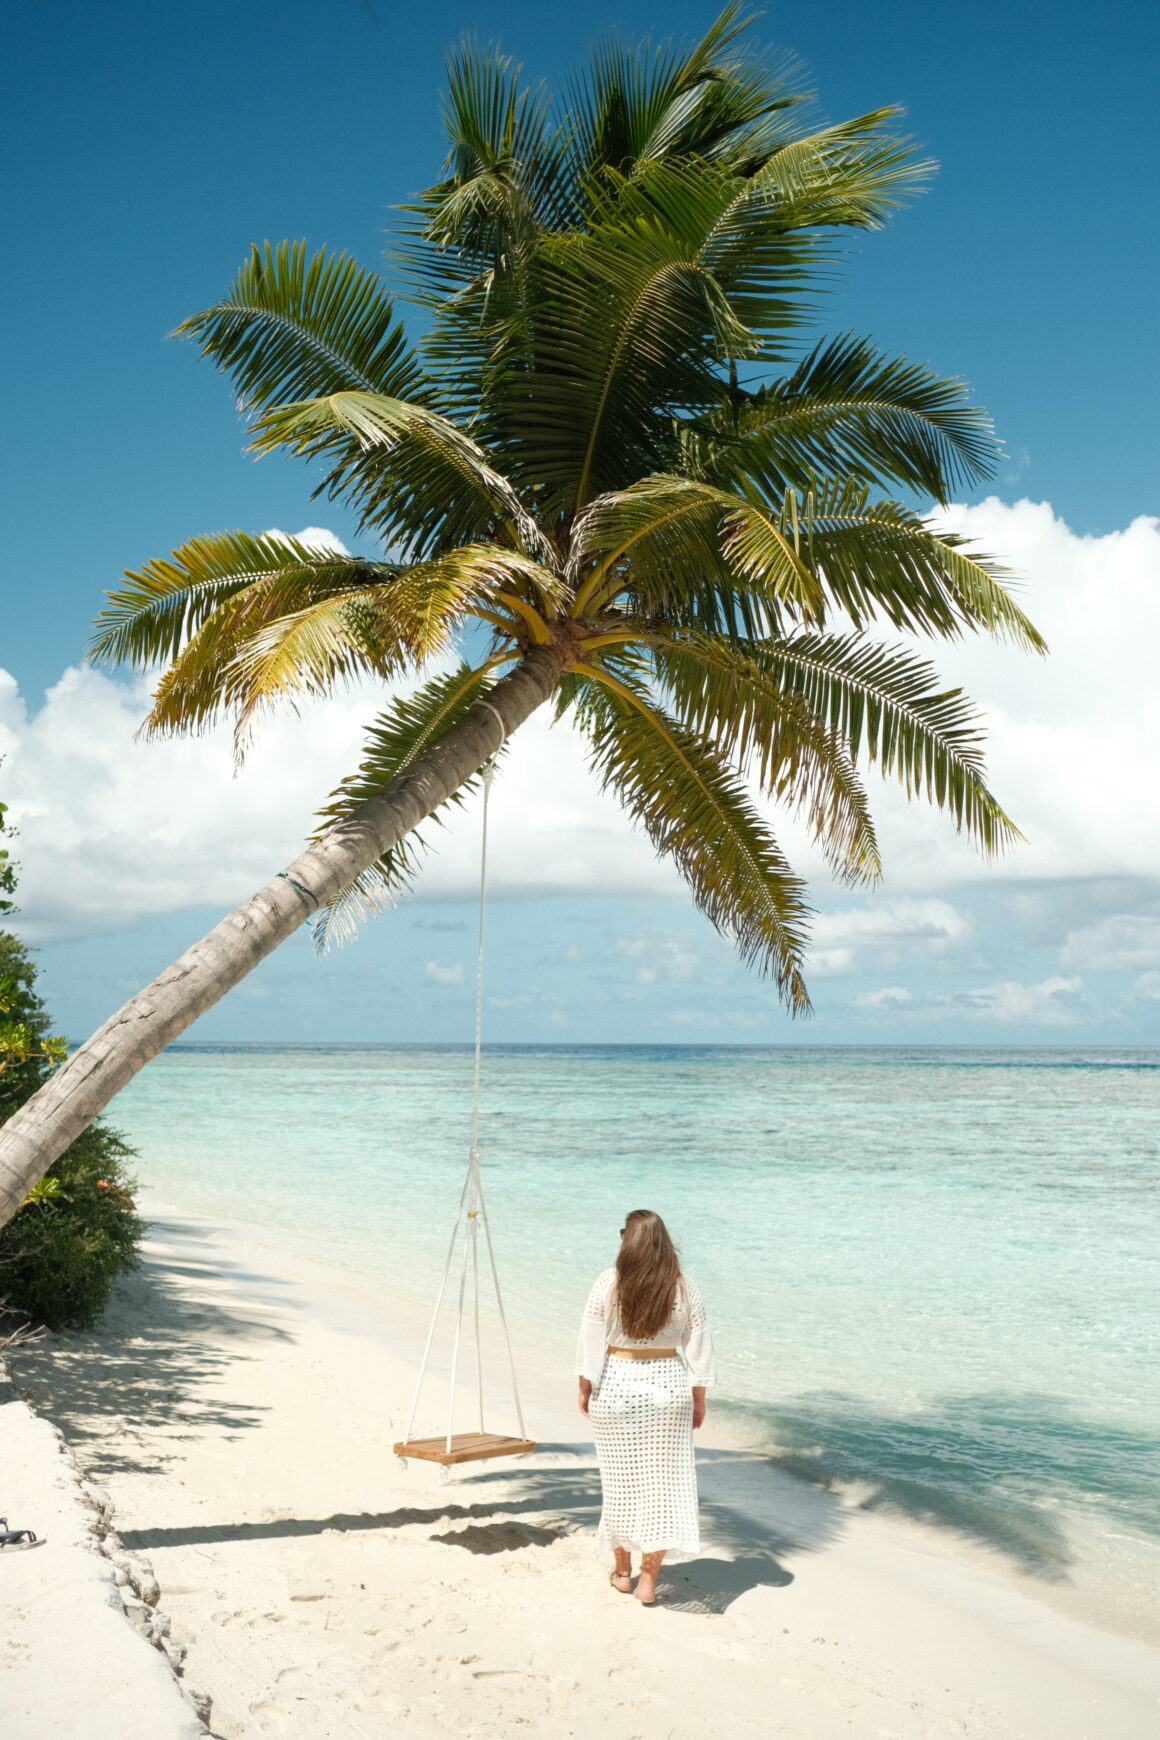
x=16 y=1540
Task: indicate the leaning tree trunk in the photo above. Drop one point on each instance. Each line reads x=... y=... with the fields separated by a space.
x=73 y=1095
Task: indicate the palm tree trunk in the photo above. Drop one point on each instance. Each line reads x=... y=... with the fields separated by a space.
x=73 y=1095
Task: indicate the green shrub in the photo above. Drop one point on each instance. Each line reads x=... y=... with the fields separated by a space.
x=77 y=1230
x=60 y=1255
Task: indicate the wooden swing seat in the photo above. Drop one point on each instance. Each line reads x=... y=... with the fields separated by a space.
x=465 y=1447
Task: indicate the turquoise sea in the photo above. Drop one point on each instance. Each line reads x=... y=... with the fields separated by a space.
x=934 y=1275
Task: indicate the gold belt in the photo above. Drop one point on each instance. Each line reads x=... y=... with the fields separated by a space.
x=643 y=1352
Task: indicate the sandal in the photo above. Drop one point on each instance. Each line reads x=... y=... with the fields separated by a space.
x=17 y=1540
x=626 y=1575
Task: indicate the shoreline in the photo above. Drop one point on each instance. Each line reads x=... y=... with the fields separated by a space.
x=240 y=1403
x=1069 y=1586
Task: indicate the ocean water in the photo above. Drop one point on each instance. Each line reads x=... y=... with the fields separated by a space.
x=934 y=1275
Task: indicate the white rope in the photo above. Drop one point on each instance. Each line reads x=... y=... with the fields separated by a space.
x=455 y=1349
x=435 y=1314
x=488 y=776
x=502 y=1315
x=470 y=1210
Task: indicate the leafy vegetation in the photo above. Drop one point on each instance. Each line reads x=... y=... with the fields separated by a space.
x=77 y=1228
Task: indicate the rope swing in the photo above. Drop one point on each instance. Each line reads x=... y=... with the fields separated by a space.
x=452 y=1447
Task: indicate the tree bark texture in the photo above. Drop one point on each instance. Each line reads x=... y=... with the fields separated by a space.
x=73 y=1095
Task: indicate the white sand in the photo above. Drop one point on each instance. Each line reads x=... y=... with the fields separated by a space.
x=61 y=1610
x=240 y=1406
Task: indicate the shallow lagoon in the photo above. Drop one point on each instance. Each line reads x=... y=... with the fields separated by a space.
x=933 y=1273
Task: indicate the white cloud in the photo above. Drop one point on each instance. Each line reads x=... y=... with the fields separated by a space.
x=1049 y=1003
x=452 y=975
x=1073 y=739
x=1122 y=941
x=889 y=929
x=889 y=997
x=316 y=536
x=1148 y=985
x=112 y=828
x=657 y=956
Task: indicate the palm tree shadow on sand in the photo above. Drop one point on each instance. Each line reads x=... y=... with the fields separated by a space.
x=150 y=1365
x=999 y=1469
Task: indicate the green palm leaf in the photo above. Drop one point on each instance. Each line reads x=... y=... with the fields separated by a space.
x=623 y=328
x=233 y=577
x=878 y=558
x=428 y=485
x=503 y=183
x=886 y=703
x=696 y=812
x=392 y=743
x=636 y=105
x=410 y=619
x=769 y=728
x=684 y=549
x=850 y=410
x=769 y=244
x=295 y=327
x=660 y=548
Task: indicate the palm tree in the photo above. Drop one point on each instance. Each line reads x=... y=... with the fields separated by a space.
x=610 y=477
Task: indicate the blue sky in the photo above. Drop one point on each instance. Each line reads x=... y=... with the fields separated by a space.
x=148 y=146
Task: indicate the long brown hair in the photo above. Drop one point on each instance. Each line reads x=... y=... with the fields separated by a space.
x=647 y=1272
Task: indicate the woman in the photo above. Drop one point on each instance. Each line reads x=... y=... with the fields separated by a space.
x=644 y=1359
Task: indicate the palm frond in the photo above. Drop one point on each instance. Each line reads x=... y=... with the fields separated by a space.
x=637 y=104
x=392 y=743
x=886 y=703
x=416 y=616
x=763 y=726
x=878 y=558
x=502 y=181
x=853 y=175
x=848 y=410
x=427 y=484
x=166 y=603
x=696 y=812
x=685 y=549
x=378 y=889
x=655 y=539
x=624 y=329
x=293 y=326
x=775 y=236
x=302 y=652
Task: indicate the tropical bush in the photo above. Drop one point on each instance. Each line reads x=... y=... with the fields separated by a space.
x=77 y=1229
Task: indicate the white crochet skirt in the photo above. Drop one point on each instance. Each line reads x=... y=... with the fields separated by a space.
x=642 y=1416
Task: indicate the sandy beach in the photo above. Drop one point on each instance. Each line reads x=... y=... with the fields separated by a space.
x=239 y=1405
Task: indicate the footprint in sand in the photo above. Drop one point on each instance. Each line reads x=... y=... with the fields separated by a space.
x=532 y=1690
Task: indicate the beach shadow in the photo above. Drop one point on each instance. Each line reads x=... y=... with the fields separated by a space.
x=147 y=1365
x=974 y=1466
x=294 y=1527
x=519 y=1509
x=499 y=1537
x=710 y=1586
x=745 y=1540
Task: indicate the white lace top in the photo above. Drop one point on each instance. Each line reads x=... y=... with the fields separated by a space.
x=688 y=1331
